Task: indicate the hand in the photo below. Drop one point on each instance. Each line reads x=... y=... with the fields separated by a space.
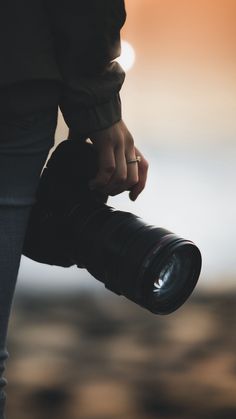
x=115 y=145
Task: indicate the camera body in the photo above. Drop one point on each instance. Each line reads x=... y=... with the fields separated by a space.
x=63 y=184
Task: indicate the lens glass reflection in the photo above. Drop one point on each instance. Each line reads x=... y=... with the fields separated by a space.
x=174 y=280
x=166 y=275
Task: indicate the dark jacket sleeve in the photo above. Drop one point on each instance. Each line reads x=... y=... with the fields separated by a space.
x=86 y=40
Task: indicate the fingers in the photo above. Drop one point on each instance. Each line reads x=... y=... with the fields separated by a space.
x=115 y=147
x=107 y=165
x=142 y=177
x=125 y=175
x=119 y=177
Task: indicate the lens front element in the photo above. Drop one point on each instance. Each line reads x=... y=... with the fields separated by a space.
x=175 y=280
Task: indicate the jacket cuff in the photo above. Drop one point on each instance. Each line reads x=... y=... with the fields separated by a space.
x=84 y=121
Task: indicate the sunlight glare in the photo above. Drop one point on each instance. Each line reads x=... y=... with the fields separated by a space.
x=127 y=58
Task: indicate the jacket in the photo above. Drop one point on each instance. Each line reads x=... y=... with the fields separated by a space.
x=71 y=45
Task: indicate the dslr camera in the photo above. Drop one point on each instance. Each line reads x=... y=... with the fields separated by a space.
x=71 y=225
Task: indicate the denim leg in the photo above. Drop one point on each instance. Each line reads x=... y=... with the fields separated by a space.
x=25 y=142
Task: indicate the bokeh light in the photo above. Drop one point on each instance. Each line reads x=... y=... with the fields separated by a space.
x=127 y=57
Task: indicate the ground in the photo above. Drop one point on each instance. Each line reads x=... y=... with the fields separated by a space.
x=88 y=356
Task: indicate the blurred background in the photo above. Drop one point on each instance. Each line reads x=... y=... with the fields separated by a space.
x=76 y=349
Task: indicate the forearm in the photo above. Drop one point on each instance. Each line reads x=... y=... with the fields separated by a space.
x=86 y=34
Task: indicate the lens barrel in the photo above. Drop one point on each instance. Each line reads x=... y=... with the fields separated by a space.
x=151 y=266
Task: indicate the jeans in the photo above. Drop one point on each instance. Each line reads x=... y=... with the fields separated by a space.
x=25 y=142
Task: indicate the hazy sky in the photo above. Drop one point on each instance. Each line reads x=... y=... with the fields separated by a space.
x=183 y=85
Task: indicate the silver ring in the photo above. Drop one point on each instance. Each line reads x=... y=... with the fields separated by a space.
x=138 y=159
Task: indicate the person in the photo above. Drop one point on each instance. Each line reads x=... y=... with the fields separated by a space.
x=57 y=53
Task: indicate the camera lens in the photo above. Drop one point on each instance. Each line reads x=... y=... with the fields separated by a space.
x=149 y=265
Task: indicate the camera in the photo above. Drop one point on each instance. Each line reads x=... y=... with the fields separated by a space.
x=71 y=225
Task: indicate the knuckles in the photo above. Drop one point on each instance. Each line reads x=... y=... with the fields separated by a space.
x=130 y=141
x=110 y=169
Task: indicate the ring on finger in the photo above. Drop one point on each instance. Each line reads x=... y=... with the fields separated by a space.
x=137 y=159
